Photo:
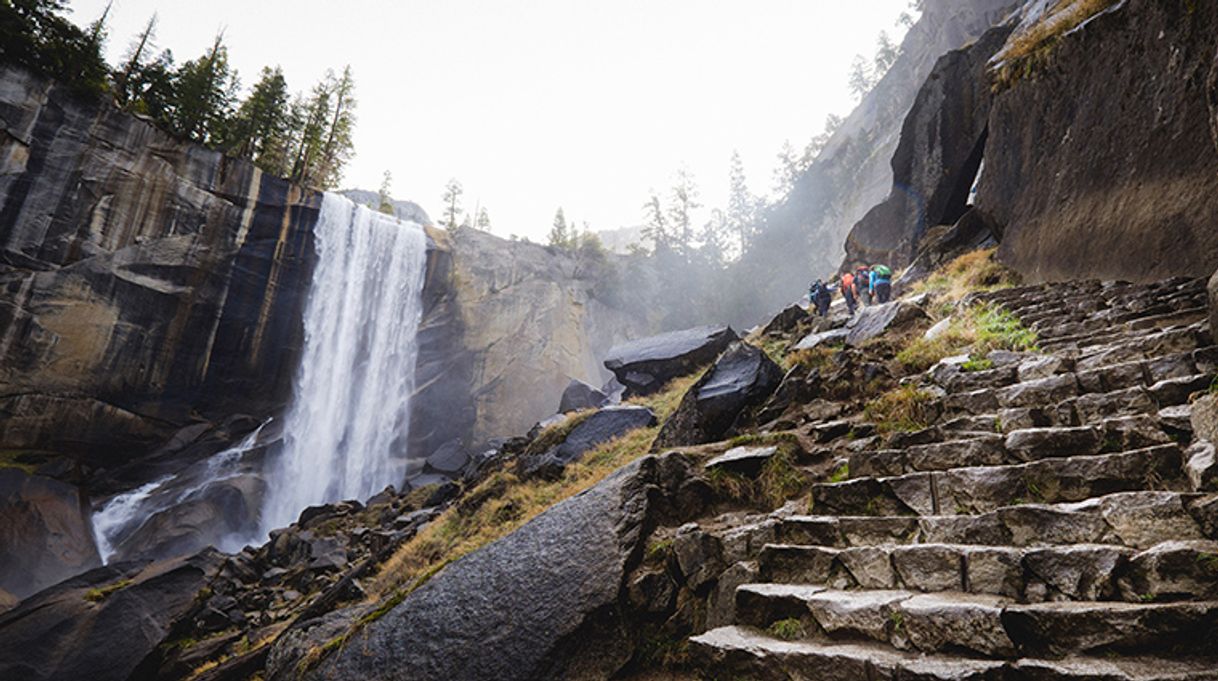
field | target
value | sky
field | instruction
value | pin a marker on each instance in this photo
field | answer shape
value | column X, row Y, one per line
column 536, row 104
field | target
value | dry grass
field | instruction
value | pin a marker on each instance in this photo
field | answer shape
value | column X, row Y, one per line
column 905, row 409
column 1024, row 48
column 505, row 502
column 779, row 481
column 969, row 273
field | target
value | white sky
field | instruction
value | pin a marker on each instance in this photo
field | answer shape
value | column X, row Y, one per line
column 541, row 103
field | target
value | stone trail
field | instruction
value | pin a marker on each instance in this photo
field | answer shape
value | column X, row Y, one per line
column 1043, row 528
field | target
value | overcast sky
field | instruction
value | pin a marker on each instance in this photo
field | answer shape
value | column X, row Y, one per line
column 545, row 103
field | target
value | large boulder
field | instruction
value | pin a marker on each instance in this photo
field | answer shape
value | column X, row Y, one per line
column 542, row 603
column 1136, row 74
column 45, row 535
column 743, row 377
column 875, row 320
column 105, row 625
column 579, row 396
column 937, row 160
column 645, row 365
column 591, row 432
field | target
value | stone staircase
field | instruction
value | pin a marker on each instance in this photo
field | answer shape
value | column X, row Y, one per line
column 1044, row 528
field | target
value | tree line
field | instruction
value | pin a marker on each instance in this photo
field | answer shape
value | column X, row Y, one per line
column 305, row 137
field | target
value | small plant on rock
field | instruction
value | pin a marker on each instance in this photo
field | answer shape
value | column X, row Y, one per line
column 905, row 409
column 789, row 629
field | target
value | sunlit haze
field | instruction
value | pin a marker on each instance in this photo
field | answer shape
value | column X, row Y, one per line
column 547, row 103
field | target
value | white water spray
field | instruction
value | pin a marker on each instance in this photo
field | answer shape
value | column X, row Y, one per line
column 347, row 430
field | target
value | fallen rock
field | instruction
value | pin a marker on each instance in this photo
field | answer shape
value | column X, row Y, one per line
column 449, row 459
column 44, row 531
column 817, row 339
column 745, row 460
column 743, row 377
column 579, row 396
column 106, row 624
column 877, row 319
column 599, row 428
column 786, row 321
column 491, row 596
column 644, row 366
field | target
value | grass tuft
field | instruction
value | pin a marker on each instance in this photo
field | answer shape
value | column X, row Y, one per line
column 969, row 273
column 789, row 629
column 977, row 330
column 904, row 409
column 101, row 593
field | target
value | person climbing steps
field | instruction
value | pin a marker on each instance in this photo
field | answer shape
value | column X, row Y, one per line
column 821, row 296
column 848, row 292
column 881, row 283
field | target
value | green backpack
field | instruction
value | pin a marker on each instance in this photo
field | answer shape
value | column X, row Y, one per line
column 882, row 270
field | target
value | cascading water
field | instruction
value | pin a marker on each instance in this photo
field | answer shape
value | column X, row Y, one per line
column 347, row 429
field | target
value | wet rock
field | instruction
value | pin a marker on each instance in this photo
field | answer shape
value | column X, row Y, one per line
column 819, row 338
column 1078, row 572
column 103, row 624
column 1201, row 465
column 449, row 460
column 491, row 595
column 579, row 396
column 644, row 366
column 742, row 378
column 875, row 320
column 721, row 607
column 944, row 622
column 786, row 321
column 743, row 460
column 1203, row 416
column 699, row 555
column 1039, row 443
column 605, row 425
column 44, row 531
column 1173, row 570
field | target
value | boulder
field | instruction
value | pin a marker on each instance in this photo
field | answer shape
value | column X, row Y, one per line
column 605, row 425
column 786, row 321
column 1204, row 417
column 448, row 460
column 576, row 555
column 746, row 460
column 105, row 625
column 579, row 396
column 819, row 338
column 743, row 377
column 1201, row 465
column 645, row 365
column 877, row 319
column 44, row 531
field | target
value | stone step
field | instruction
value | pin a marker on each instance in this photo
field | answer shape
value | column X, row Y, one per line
column 988, row 626
column 1017, row 445
column 737, row 652
column 1176, row 570
column 1135, row 519
column 973, row 490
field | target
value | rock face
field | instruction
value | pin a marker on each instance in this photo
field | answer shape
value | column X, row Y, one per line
column 577, row 554
column 1125, row 93
column 937, row 159
column 519, row 321
column 45, row 532
column 144, row 279
column 105, row 624
column 646, row 364
column 743, row 377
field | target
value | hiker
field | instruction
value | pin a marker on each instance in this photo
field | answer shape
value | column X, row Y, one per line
column 821, row 295
column 881, row 282
column 848, row 292
column 862, row 284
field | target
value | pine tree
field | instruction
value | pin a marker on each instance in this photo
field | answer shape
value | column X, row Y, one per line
column 682, row 204
column 383, row 196
column 452, row 203
column 560, row 233
column 787, row 170
column 261, row 128
column 655, row 225
column 741, row 204
column 885, row 55
column 714, row 239
column 309, row 115
column 35, row 34
column 484, row 220
column 205, row 90
column 338, row 147
column 134, row 62
column 818, row 143
column 860, row 78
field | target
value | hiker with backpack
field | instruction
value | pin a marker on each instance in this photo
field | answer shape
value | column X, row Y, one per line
column 821, row 295
column 881, row 282
column 862, row 284
column 848, row 292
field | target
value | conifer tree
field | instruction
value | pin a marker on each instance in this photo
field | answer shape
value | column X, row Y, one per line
column 560, row 233
column 452, row 203
column 484, row 220
column 384, row 199
column 787, row 170
column 261, row 128
column 338, row 147
column 682, row 203
column 655, row 225
column 741, row 204
column 205, row 91
column 134, row 62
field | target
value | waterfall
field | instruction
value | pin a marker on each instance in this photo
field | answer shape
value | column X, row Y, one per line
column 347, row 429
